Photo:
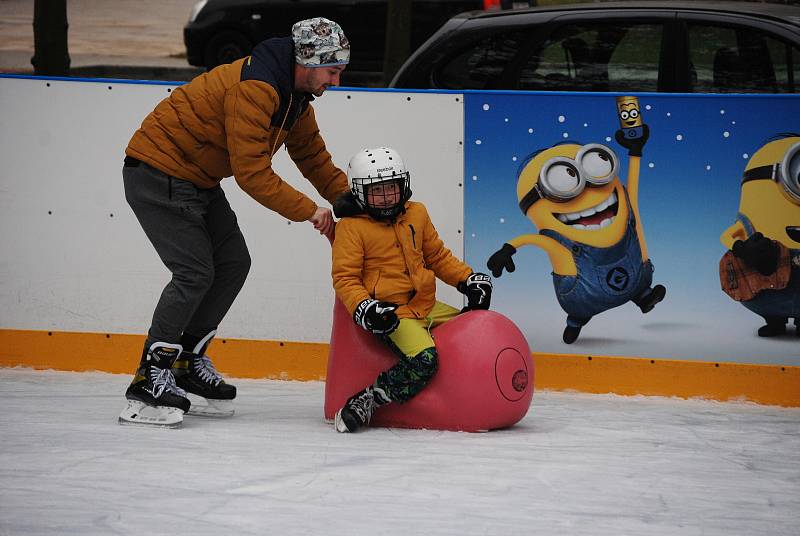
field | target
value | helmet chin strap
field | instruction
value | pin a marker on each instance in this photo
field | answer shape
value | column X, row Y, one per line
column 390, row 213
column 386, row 214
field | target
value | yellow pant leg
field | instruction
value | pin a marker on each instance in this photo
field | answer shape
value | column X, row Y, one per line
column 441, row 313
column 413, row 335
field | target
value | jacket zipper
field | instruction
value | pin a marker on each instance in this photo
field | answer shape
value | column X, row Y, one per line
column 409, row 271
column 278, row 135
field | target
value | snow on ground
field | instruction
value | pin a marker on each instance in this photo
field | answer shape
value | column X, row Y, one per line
column 577, row 464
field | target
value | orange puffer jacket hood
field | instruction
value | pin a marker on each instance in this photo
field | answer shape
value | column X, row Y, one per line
column 395, row 261
column 231, row 121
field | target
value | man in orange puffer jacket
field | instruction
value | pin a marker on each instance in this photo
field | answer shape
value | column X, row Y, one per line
column 230, row 121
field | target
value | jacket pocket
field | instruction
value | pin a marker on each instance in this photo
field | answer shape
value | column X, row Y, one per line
column 371, row 283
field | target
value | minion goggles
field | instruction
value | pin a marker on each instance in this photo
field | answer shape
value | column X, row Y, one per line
column 594, row 165
column 785, row 173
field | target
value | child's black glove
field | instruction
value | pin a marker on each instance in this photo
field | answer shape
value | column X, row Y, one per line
column 502, row 259
column 478, row 290
column 376, row 316
column 759, row 252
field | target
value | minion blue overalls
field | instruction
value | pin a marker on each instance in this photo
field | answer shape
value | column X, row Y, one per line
column 607, row 277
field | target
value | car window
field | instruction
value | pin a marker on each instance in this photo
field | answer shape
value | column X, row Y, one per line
column 596, row 57
column 480, row 64
column 781, row 55
column 796, row 68
column 633, row 65
column 730, row 59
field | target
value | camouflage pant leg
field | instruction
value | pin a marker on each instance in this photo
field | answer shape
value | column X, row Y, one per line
column 409, row 376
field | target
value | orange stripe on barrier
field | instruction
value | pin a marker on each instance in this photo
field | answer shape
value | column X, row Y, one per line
column 239, row 358
column 118, row 353
column 764, row 384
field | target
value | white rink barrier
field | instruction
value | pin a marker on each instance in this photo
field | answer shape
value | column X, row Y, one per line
column 75, row 259
column 79, row 279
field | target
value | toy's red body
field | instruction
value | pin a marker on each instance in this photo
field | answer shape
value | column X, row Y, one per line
column 484, row 381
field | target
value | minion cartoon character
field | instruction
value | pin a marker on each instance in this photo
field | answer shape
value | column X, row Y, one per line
column 589, row 225
column 766, row 234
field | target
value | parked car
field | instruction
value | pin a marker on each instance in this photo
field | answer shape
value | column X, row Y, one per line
column 221, row 31
column 714, row 47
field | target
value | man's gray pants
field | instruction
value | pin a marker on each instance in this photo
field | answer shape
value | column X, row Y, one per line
column 196, row 234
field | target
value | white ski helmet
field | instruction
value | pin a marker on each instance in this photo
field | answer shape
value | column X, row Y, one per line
column 378, row 165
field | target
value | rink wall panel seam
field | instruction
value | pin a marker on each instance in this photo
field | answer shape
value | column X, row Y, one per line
column 302, row 361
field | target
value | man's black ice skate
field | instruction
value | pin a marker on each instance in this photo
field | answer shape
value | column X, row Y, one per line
column 197, row 376
column 357, row 411
column 153, row 397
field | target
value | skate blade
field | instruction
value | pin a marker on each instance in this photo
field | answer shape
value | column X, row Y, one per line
column 207, row 407
column 138, row 413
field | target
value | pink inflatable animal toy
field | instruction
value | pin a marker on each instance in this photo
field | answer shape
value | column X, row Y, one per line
column 484, row 381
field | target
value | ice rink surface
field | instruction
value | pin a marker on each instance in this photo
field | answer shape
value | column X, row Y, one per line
column 577, row 464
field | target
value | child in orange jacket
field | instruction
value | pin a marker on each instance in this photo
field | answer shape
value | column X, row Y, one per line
column 386, row 257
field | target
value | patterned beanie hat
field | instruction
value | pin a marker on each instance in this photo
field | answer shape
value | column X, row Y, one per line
column 320, row 42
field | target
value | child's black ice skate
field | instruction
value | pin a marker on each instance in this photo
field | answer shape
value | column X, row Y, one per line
column 357, row 411
column 197, row 376
column 153, row 397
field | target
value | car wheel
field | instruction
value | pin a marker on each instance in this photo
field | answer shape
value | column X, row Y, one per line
column 226, row 47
